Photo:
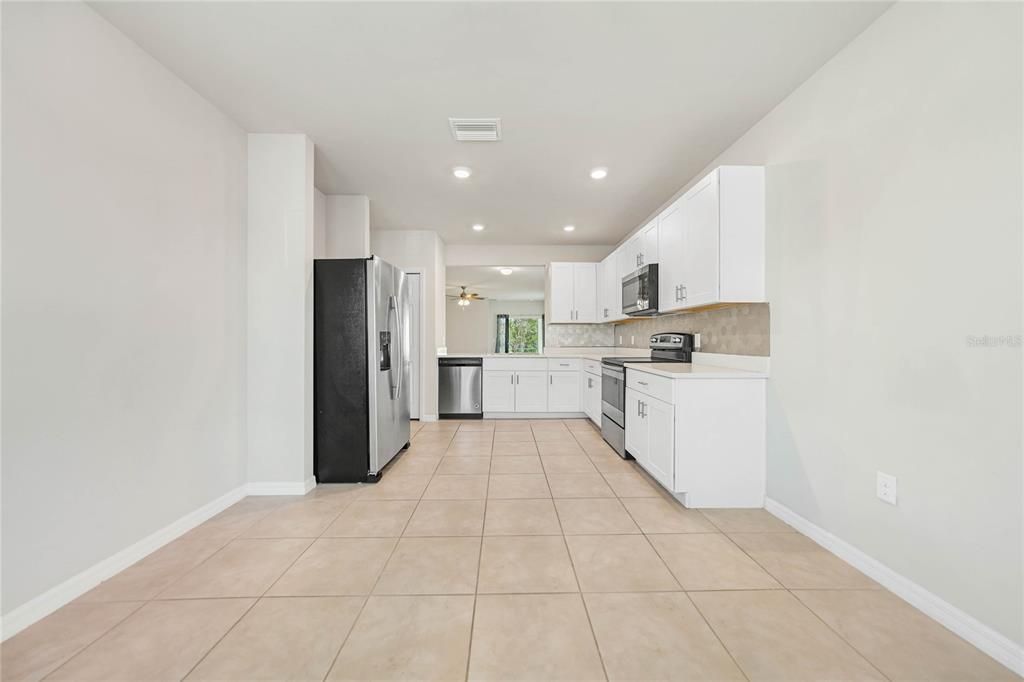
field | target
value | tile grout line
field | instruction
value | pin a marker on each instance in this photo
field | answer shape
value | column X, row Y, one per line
column 366, row 599
column 789, row 591
column 264, row 594
column 479, row 562
column 586, row 611
column 144, row 602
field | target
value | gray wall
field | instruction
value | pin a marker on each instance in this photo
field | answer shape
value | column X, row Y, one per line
column 123, row 297
column 740, row 329
column 894, row 195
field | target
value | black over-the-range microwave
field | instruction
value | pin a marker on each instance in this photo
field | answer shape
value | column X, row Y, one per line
column 640, row 291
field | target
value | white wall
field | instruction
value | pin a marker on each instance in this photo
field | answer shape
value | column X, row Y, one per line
column 281, row 229
column 472, row 328
column 894, row 193
column 319, row 224
column 347, row 226
column 420, row 250
column 123, row 297
column 492, row 254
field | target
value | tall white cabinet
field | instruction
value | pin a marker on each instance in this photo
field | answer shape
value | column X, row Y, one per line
column 572, row 292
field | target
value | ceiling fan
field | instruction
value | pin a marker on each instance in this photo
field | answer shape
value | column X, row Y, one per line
column 465, row 297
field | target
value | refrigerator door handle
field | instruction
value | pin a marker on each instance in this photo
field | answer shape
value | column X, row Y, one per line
column 396, row 387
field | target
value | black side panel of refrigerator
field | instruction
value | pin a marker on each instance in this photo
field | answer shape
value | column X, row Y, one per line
column 341, row 415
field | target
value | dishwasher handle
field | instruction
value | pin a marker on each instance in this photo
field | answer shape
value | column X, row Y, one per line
column 460, row 362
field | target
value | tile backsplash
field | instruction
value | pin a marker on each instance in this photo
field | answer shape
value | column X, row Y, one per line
column 739, row 329
column 578, row 335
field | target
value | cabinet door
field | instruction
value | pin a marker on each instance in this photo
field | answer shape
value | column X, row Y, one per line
column 499, row 391
column 531, row 391
column 560, row 292
column 629, row 257
column 671, row 233
column 604, row 310
column 660, row 421
column 649, row 243
column 611, row 288
column 700, row 243
column 584, row 287
column 636, row 427
column 563, row 391
column 590, row 387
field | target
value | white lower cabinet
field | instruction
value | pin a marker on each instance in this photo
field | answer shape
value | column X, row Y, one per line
column 660, row 422
column 706, row 443
column 499, row 391
column 636, row 430
column 650, row 435
column 531, row 391
column 564, row 391
column 590, row 390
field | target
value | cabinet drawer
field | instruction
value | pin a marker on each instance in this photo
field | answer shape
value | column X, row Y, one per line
column 592, row 367
column 516, row 364
column 649, row 384
column 563, row 364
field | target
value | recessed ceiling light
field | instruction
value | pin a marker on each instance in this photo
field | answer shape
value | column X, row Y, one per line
column 462, row 172
column 569, row 228
column 478, row 228
column 599, row 173
column 506, row 271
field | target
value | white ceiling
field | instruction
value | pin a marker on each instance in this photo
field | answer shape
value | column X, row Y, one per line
column 654, row 91
column 524, row 284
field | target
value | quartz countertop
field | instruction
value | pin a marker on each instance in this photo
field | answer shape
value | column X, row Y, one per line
column 592, row 353
column 686, row 370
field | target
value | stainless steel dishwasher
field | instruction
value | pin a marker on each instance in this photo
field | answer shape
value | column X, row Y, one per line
column 460, row 388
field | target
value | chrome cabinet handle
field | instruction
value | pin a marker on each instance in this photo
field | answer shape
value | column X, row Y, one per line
column 683, row 289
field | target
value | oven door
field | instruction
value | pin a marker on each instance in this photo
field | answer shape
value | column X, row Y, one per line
column 640, row 291
column 613, row 394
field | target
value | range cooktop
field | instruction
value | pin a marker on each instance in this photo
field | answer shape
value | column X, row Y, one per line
column 621, row 361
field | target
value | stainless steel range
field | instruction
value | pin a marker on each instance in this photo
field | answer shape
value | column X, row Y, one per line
column 670, row 347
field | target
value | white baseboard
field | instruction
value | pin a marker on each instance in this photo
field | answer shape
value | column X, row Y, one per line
column 996, row 645
column 75, row 586
column 428, row 417
column 280, row 487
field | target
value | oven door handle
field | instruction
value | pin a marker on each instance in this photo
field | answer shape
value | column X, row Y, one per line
column 614, row 374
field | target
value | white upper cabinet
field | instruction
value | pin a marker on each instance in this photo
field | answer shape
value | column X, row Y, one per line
column 640, row 250
column 711, row 241
column 649, row 243
column 609, row 295
column 572, row 292
column 584, row 291
column 560, row 286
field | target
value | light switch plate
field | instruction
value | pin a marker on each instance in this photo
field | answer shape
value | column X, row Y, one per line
column 887, row 488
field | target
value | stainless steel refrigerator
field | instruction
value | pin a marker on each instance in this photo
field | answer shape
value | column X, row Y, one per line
column 361, row 364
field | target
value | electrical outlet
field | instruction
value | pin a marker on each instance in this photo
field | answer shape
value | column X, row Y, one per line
column 632, row 340
column 887, row 488
column 696, row 341
column 620, row 339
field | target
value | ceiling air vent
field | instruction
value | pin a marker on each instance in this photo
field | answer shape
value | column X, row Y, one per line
column 476, row 129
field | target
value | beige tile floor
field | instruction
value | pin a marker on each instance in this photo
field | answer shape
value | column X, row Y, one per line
column 492, row 550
